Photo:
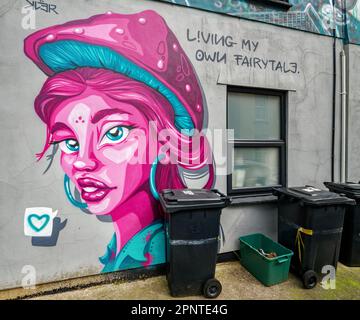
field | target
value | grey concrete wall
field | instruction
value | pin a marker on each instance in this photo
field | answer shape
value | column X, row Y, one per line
column 23, row 185
column 353, row 113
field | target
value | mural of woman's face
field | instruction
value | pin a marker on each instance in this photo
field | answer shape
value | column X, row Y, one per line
column 98, row 136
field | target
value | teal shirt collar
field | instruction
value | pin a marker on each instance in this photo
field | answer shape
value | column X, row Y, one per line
column 148, row 243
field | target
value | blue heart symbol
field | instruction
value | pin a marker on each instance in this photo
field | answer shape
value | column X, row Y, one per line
column 33, row 216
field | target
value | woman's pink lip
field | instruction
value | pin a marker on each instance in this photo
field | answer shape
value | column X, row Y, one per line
column 93, row 190
column 95, row 196
column 90, row 182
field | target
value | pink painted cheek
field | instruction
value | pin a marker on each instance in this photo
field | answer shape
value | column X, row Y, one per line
column 121, row 153
column 134, row 175
column 129, row 180
column 67, row 162
column 128, row 157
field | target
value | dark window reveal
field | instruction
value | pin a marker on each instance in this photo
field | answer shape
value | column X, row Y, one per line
column 258, row 156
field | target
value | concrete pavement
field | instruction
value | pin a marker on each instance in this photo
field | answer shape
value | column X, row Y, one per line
column 237, row 284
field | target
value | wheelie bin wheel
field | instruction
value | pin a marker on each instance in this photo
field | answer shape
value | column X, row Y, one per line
column 309, row 279
column 212, row 288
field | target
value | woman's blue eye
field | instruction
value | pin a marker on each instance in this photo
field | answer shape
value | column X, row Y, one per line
column 115, row 133
column 72, row 145
column 69, row 146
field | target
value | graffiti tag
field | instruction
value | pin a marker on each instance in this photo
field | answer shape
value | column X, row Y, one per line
column 43, row 6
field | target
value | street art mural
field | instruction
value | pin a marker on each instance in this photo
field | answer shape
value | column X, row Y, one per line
column 123, row 105
column 327, row 17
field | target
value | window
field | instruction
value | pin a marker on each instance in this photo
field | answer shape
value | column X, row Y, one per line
column 258, row 118
column 275, row 3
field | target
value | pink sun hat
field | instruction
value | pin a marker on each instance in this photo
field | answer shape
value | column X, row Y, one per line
column 140, row 46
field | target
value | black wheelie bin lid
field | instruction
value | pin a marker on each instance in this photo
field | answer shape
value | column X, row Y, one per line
column 349, row 189
column 313, row 196
column 173, row 200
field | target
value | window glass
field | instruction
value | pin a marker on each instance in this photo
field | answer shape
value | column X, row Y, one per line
column 255, row 167
column 254, row 117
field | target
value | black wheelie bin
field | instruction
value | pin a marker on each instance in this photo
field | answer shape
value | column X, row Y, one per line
column 350, row 241
column 192, row 223
column 310, row 223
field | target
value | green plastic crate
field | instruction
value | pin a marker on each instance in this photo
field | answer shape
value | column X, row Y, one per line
column 268, row 271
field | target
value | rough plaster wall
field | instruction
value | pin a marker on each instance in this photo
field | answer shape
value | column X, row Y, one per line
column 84, row 239
column 354, row 114
column 242, row 220
column 309, row 106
